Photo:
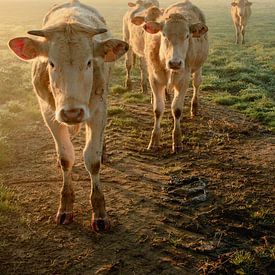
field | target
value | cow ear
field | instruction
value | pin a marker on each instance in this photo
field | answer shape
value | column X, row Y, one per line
column 110, row 50
column 198, row 29
column 131, row 4
column 234, row 4
column 153, row 27
column 26, row 48
column 138, row 20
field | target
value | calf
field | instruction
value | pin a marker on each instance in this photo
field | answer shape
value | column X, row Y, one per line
column 240, row 12
column 134, row 35
column 70, row 75
column 175, row 48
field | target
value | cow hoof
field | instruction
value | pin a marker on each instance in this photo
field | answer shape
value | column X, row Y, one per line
column 100, row 225
column 64, row 218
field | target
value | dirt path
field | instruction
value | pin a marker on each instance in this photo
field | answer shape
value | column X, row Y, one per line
column 156, row 227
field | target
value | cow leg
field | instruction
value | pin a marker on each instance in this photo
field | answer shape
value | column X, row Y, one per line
column 177, row 108
column 66, row 157
column 92, row 159
column 197, row 79
column 243, row 33
column 143, row 75
column 158, row 108
column 129, row 65
column 238, row 33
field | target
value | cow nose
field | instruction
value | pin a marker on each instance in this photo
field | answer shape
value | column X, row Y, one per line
column 72, row 115
column 175, row 64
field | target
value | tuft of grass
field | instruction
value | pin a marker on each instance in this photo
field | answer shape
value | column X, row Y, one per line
column 123, row 122
column 133, row 97
column 114, row 111
column 243, row 261
column 118, row 90
column 4, row 149
column 5, row 200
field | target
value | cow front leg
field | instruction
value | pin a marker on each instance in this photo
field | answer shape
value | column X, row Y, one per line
column 92, row 158
column 158, row 109
column 197, row 79
column 143, row 75
column 66, row 158
column 177, row 108
column 129, row 64
column 237, row 33
column 243, row 33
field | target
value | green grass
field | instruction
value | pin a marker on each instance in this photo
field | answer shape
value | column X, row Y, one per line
column 115, row 111
column 134, row 97
column 4, row 149
column 243, row 76
column 251, row 262
column 5, row 201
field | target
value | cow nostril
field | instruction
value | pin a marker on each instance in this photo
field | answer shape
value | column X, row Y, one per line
column 72, row 115
column 174, row 64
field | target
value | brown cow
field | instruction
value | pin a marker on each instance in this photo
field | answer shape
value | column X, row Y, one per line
column 134, row 35
column 240, row 13
column 175, row 49
column 70, row 77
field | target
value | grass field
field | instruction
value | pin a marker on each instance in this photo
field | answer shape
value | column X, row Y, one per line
column 240, row 78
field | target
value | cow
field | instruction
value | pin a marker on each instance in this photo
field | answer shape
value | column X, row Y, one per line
column 175, row 48
column 240, row 13
column 70, row 74
column 134, row 36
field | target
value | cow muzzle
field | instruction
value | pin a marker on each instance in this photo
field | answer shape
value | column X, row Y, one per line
column 72, row 116
column 175, row 64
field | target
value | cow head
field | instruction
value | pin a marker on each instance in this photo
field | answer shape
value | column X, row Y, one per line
column 70, row 51
column 176, row 32
column 140, row 6
column 153, row 13
column 241, row 5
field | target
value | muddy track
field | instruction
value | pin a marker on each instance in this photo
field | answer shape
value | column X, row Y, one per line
column 154, row 229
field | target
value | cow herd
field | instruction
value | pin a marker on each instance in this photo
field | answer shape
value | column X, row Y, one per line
column 72, row 58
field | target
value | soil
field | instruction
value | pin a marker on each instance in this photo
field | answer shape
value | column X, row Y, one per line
column 160, row 222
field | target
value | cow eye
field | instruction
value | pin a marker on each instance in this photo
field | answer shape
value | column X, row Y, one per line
column 51, row 64
column 89, row 64
column 187, row 36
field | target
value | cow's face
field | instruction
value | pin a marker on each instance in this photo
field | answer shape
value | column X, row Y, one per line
column 176, row 32
column 70, row 67
column 241, row 5
column 71, row 55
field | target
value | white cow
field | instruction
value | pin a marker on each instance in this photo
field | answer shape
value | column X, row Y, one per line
column 240, row 13
column 70, row 77
column 134, row 35
column 175, row 48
